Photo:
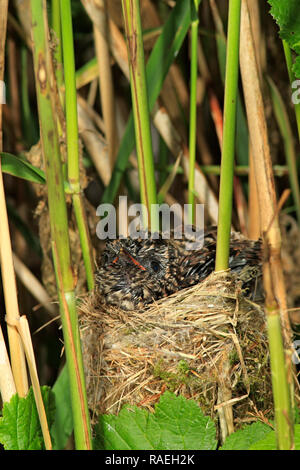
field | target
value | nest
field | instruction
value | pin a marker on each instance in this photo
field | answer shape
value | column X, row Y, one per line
column 208, row 343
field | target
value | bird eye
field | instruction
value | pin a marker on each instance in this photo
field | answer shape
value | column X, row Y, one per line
column 155, row 266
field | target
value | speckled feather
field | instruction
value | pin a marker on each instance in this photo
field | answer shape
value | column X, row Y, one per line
column 134, row 272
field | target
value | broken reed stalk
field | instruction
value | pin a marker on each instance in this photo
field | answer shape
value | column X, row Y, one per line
column 254, row 231
column 7, row 269
column 193, row 111
column 73, row 139
column 134, row 37
column 288, row 141
column 275, row 303
column 45, row 89
column 228, row 144
column 178, row 20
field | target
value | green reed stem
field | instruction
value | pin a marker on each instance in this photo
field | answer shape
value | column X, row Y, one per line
column 44, row 78
column 133, row 30
column 228, row 146
column 241, row 170
column 193, row 110
column 73, row 138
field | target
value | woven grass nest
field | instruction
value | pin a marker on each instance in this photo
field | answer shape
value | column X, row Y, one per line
column 207, row 343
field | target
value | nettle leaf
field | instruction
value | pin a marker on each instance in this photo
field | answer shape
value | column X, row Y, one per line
column 287, row 15
column 244, row 438
column 176, row 424
column 269, row 441
column 21, row 168
column 19, row 425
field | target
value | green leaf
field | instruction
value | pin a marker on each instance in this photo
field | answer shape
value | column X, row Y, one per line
column 269, row 441
column 18, row 166
column 287, row 15
column 63, row 424
column 19, row 426
column 176, row 424
column 244, row 438
column 165, row 50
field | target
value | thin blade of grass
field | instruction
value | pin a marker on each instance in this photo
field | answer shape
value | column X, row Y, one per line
column 193, row 111
column 275, row 296
column 288, row 141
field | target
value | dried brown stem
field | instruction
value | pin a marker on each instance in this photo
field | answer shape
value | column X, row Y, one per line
column 279, row 329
